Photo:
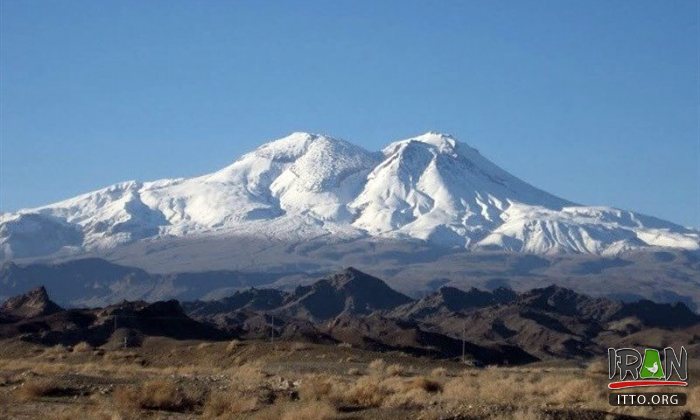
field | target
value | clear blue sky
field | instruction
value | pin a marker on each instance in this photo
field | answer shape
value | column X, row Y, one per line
column 596, row 101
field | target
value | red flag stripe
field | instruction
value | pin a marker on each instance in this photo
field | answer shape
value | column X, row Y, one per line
column 633, row 384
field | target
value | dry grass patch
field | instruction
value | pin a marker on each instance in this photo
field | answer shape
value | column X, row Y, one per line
column 299, row 346
column 577, row 391
column 366, row 392
column 439, row 372
column 318, row 387
column 246, row 377
column 233, row 345
column 85, row 413
column 377, row 366
column 427, row 385
column 223, row 404
column 528, row 388
column 304, row 410
column 693, row 403
column 155, row 395
column 58, row 348
column 82, row 347
column 248, row 393
column 370, row 391
column 409, row 398
column 414, row 393
column 396, row 370
column 122, row 356
column 37, row 388
column 520, row 414
column 597, row 367
column 311, row 410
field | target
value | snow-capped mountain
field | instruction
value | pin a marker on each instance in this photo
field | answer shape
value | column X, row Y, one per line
column 308, row 186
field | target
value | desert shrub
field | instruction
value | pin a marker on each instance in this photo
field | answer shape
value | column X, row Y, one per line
column 439, row 372
column 126, row 399
column 366, row 392
column 163, row 395
column 470, row 388
column 223, row 404
column 395, row 370
column 390, row 392
column 407, row 398
column 82, row 347
column 233, row 345
column 304, row 410
column 377, row 366
column 37, row 388
column 309, row 410
column 204, row 345
column 246, row 377
column 316, row 388
column 527, row 387
column 577, row 390
column 57, row 349
column 427, row 385
column 354, row 372
column 597, row 367
column 155, row 395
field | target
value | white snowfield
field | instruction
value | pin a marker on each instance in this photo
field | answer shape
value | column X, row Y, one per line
column 307, row 186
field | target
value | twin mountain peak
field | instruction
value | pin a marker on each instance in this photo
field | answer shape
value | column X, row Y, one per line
column 430, row 188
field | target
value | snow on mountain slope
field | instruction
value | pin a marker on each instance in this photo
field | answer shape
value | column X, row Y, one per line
column 304, row 186
column 432, row 187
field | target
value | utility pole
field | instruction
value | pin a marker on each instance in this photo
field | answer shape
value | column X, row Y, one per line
column 464, row 334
